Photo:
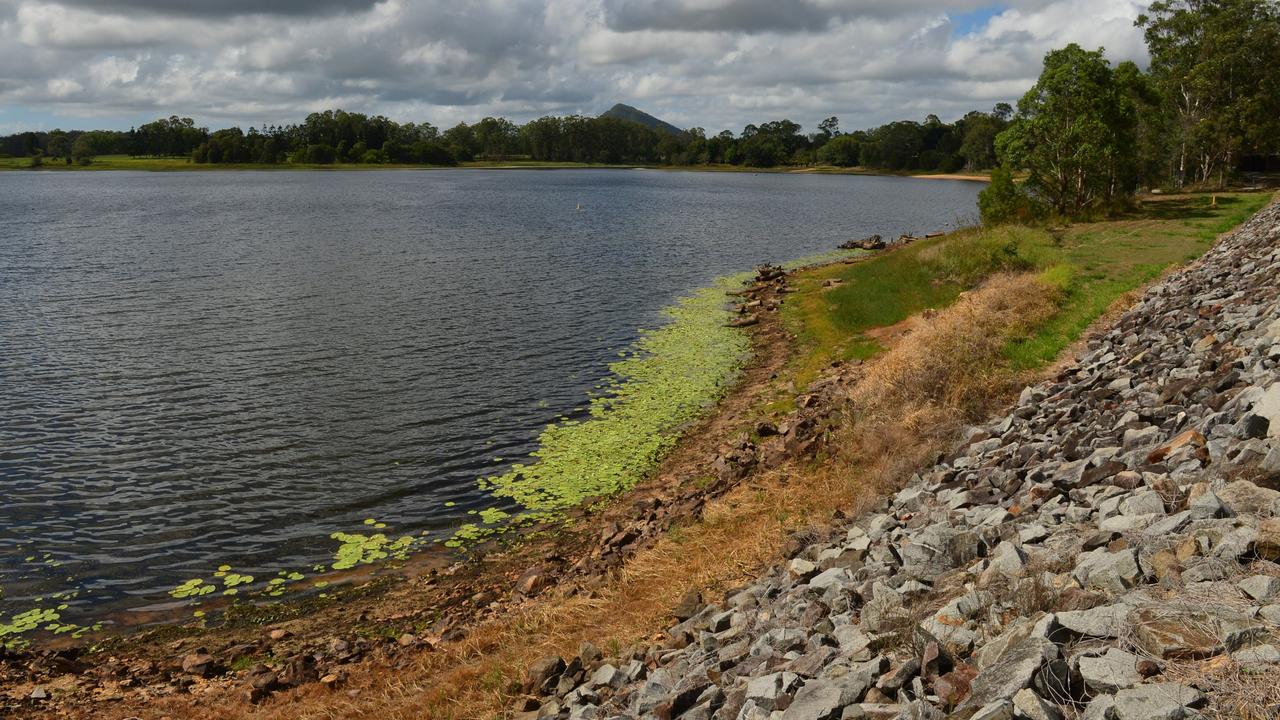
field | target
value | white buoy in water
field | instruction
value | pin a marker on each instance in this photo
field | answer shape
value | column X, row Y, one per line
column 579, row 207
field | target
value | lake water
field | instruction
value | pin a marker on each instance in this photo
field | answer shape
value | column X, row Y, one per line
column 226, row 367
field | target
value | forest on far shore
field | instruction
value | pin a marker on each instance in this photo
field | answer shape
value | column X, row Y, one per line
column 338, row 136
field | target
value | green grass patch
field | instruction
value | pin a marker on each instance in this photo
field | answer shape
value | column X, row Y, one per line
column 1093, row 264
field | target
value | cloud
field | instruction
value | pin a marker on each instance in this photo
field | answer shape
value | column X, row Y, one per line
column 224, row 8
column 711, row 63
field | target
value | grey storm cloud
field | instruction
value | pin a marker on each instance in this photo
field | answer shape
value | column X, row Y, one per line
column 709, row 63
column 224, row 8
column 759, row 16
column 749, row 16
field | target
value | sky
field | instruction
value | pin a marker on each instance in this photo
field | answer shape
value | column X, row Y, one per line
column 715, row 64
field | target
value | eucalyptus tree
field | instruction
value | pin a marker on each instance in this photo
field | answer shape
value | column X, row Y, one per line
column 1215, row 63
column 1074, row 133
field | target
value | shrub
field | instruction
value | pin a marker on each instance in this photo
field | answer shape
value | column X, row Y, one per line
column 1003, row 201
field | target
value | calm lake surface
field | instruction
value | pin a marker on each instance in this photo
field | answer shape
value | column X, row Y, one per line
column 226, row 367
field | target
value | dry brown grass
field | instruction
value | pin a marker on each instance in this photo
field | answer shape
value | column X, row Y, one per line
column 910, row 406
column 954, row 362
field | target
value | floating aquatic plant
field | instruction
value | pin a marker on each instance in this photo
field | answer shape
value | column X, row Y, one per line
column 356, row 549
column 665, row 380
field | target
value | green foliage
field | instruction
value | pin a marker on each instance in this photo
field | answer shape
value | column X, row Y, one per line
column 841, row 151
column 1003, row 201
column 1074, row 133
column 355, row 549
column 1217, row 84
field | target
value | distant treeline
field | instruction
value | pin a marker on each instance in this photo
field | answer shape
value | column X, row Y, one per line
column 337, row 136
column 1086, row 136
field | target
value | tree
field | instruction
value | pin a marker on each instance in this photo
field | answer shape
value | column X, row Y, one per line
column 58, row 145
column 762, row 150
column 1074, row 132
column 1003, row 201
column 82, row 150
column 978, row 148
column 1214, row 62
column 841, row 151
column 830, row 127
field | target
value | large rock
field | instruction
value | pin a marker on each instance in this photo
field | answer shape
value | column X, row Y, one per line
column 1028, row 705
column 771, row 691
column 1011, row 672
column 1107, row 621
column 1116, row 670
column 1159, row 701
column 1263, row 588
column 817, row 700
column 1111, row 571
column 1187, row 633
column 1267, row 544
column 1268, row 406
column 541, row 675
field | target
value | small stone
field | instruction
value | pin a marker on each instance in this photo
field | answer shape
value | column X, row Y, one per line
column 279, row 634
column 200, row 664
column 38, row 693
column 689, row 605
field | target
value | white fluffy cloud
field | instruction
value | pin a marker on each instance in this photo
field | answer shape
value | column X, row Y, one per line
column 713, row 63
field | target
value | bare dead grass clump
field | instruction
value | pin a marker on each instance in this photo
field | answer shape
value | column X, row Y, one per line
column 954, row 362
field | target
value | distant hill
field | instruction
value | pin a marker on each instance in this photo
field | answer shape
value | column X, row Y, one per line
column 626, row 112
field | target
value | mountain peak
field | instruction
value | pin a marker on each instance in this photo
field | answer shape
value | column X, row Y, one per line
column 626, row 112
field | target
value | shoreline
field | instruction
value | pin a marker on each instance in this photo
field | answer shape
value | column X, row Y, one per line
column 766, row 483
column 127, row 164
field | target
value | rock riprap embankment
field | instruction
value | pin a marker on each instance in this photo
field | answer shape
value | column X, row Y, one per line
column 1108, row 550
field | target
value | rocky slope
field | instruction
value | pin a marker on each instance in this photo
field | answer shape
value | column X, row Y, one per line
column 1108, row 550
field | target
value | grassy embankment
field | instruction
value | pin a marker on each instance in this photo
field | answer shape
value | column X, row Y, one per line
column 1090, row 265
column 1004, row 301
column 162, row 164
